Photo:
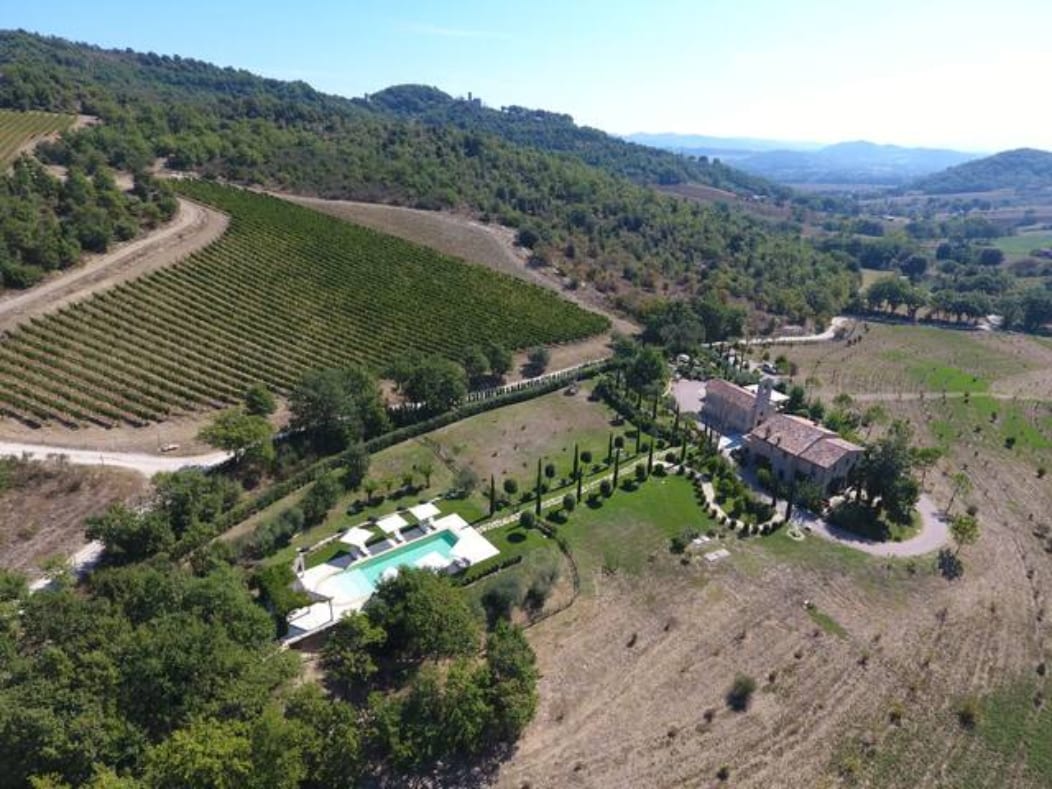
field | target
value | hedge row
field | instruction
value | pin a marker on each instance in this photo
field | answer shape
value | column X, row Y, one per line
column 484, row 569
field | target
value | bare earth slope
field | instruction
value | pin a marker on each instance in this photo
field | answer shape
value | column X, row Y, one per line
column 44, row 514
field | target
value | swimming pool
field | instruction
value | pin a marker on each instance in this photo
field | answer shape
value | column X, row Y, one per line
column 360, row 580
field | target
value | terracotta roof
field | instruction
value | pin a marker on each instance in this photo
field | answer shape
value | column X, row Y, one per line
column 826, row 452
column 732, row 393
column 804, row 439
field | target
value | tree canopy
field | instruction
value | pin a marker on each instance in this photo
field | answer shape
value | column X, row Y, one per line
column 337, row 407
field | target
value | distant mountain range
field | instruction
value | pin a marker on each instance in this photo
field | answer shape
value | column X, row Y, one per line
column 1023, row 169
column 810, row 163
column 700, row 144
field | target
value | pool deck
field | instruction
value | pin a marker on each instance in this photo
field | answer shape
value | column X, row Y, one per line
column 469, row 548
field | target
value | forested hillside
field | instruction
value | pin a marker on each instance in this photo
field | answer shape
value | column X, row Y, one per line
column 590, row 219
column 46, row 223
column 1024, row 169
column 550, row 131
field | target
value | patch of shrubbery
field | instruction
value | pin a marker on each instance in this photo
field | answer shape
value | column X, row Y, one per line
column 740, row 693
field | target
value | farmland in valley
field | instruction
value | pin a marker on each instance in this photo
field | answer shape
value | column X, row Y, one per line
column 286, row 289
column 19, row 128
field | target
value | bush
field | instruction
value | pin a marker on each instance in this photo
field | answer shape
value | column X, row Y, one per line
column 670, row 457
column 606, row 488
column 619, row 442
column 320, row 499
column 511, row 487
column 679, row 543
column 527, row 519
column 968, row 713
column 740, row 693
column 859, row 519
column 502, row 597
column 586, row 456
column 641, row 472
column 569, row 502
column 661, row 471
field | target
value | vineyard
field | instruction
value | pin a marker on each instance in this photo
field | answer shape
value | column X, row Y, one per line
column 284, row 290
column 18, row 128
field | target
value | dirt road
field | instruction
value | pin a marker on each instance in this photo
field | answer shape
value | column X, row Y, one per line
column 194, row 227
column 135, row 461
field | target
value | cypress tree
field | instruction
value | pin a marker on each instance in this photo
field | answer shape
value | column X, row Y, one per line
column 650, row 457
column 576, row 461
column 610, row 449
column 539, row 494
column 617, row 466
column 492, row 495
column 683, row 451
column 639, row 438
column 675, row 425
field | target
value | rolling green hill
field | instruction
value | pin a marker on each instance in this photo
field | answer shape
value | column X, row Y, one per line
column 573, row 194
column 556, row 132
column 1024, row 169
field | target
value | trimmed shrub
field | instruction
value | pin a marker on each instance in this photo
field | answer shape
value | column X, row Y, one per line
column 527, row 519
column 606, row 488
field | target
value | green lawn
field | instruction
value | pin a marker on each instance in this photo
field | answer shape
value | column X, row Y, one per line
column 621, row 534
column 812, row 550
column 1012, row 725
column 1021, row 244
column 826, row 622
column 937, row 377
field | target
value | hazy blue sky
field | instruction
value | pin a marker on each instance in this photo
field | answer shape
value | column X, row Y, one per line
column 964, row 73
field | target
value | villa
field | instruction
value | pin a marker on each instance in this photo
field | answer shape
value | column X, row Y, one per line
column 795, row 447
column 345, row 583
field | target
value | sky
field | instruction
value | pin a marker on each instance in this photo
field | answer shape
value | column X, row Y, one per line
column 962, row 74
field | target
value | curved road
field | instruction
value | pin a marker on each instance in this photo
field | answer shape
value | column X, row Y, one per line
column 934, row 533
column 136, row 461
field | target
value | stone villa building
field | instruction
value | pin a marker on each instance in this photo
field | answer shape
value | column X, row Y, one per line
column 794, row 446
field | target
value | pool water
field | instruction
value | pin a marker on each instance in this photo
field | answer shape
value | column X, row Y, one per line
column 360, row 579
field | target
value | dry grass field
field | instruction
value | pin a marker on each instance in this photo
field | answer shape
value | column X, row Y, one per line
column 507, row 442
column 895, row 359
column 44, row 505
column 869, row 688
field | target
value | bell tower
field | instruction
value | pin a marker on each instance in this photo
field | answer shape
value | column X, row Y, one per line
column 761, row 407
